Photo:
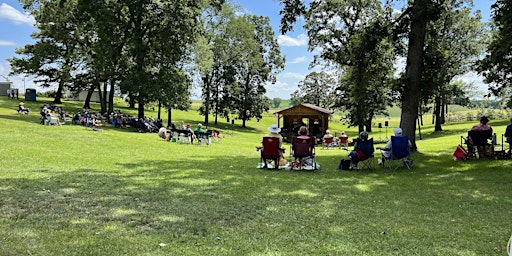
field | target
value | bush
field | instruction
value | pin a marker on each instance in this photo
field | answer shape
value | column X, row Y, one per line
column 47, row 94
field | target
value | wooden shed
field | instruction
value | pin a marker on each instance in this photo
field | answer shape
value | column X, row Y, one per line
column 313, row 117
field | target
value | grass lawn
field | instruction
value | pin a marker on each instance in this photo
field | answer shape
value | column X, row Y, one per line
column 71, row 191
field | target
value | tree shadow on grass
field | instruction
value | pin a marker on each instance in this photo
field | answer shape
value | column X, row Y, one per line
column 194, row 203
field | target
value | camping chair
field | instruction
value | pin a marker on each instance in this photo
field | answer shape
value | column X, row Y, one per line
column 203, row 137
column 478, row 143
column 343, row 141
column 365, row 156
column 327, row 142
column 303, row 152
column 183, row 136
column 270, row 150
column 216, row 136
column 399, row 153
column 53, row 121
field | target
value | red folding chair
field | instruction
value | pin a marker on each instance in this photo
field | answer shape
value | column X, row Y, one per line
column 270, row 150
column 303, row 151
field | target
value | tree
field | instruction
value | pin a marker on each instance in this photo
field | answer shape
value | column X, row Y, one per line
column 240, row 54
column 453, row 43
column 355, row 37
column 258, row 57
column 213, row 58
column 496, row 66
column 317, row 88
column 136, row 45
column 276, row 102
column 54, row 56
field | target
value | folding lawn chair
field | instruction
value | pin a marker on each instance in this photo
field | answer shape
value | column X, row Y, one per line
column 183, row 136
column 270, row 151
column 303, row 152
column 365, row 156
column 216, row 136
column 327, row 142
column 478, row 143
column 400, row 155
column 203, row 137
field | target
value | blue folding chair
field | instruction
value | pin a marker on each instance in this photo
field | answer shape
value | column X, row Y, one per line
column 400, row 155
column 365, row 150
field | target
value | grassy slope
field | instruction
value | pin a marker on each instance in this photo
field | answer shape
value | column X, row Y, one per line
column 71, row 191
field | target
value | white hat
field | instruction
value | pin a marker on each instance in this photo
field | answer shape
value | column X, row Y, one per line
column 199, row 125
column 274, row 129
column 398, row 131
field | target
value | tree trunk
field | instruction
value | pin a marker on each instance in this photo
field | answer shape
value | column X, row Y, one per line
column 169, row 117
column 159, row 109
column 111, row 96
column 437, row 109
column 58, row 94
column 131, row 100
column 104, row 98
column 140, row 113
column 443, row 103
column 410, row 99
column 100, row 94
column 206, row 83
column 87, row 103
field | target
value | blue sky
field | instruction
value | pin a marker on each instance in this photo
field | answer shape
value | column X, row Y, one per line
column 16, row 27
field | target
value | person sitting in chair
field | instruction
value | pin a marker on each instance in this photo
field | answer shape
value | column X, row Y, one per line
column 199, row 128
column 343, row 139
column 274, row 133
column 303, row 133
column 482, row 126
column 327, row 135
column 386, row 150
column 23, row 109
column 356, row 155
column 483, row 151
column 508, row 134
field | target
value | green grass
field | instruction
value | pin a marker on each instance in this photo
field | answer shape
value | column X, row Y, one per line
column 72, row 191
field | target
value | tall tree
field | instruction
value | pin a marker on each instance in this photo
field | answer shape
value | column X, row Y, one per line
column 54, row 56
column 417, row 13
column 317, row 88
column 212, row 57
column 259, row 57
column 453, row 44
column 356, row 38
column 496, row 67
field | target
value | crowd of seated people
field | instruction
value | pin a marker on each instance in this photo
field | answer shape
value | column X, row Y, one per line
column 95, row 120
column 48, row 115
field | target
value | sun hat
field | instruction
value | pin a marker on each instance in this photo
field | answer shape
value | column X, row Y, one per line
column 484, row 119
column 21, row 103
column 398, row 131
column 274, row 129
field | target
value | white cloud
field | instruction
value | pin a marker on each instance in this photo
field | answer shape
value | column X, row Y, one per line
column 301, row 40
column 298, row 60
column 7, row 43
column 8, row 12
column 291, row 75
column 474, row 78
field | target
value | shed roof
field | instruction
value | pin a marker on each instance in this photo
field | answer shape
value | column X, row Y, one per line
column 307, row 106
